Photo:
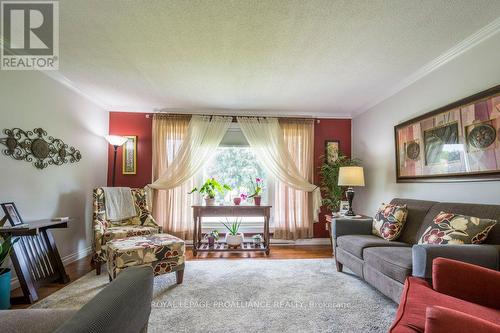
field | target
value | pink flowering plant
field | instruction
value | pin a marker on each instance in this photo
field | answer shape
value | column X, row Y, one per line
column 244, row 196
column 258, row 186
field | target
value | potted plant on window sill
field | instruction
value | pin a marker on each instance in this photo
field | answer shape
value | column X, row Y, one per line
column 5, row 274
column 210, row 189
column 258, row 186
column 233, row 237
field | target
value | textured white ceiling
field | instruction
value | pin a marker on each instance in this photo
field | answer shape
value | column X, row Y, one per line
column 296, row 57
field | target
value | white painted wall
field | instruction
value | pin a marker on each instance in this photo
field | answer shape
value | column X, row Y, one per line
column 373, row 131
column 28, row 100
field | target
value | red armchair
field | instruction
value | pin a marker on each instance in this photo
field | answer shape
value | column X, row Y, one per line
column 462, row 298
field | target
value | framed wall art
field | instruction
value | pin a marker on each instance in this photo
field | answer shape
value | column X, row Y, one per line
column 129, row 153
column 332, row 150
column 458, row 142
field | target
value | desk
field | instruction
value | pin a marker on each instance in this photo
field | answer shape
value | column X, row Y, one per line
column 35, row 257
column 229, row 211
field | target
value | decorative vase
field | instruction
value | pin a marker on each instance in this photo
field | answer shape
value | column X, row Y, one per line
column 237, row 201
column 210, row 201
column 256, row 200
column 234, row 240
column 5, row 276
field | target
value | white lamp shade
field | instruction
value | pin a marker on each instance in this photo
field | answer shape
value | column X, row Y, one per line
column 116, row 140
column 351, row 176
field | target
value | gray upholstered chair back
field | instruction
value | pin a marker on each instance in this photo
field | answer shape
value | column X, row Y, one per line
column 123, row 306
column 417, row 210
column 476, row 210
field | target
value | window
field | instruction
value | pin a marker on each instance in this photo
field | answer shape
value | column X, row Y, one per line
column 235, row 164
column 236, row 167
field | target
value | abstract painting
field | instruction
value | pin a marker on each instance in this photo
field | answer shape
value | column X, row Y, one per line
column 458, row 142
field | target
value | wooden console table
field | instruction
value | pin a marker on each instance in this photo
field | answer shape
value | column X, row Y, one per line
column 229, row 211
column 35, row 257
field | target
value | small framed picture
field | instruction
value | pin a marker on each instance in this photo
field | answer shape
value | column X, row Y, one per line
column 10, row 210
column 344, row 207
column 130, row 156
column 331, row 151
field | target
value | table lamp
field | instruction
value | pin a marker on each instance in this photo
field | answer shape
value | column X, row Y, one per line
column 351, row 176
column 116, row 141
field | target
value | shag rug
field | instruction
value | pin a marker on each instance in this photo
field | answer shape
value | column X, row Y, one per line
column 306, row 295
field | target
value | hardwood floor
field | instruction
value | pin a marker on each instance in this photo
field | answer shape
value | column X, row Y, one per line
column 81, row 267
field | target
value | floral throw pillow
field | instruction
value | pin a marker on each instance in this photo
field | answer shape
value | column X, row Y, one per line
column 389, row 221
column 449, row 228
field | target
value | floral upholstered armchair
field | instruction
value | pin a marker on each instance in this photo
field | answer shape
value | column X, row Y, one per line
column 105, row 230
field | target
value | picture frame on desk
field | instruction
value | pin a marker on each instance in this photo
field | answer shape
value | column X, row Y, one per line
column 12, row 214
column 343, row 207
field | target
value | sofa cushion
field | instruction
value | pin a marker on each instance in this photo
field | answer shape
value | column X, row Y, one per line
column 33, row 320
column 417, row 210
column 389, row 221
column 450, row 228
column 394, row 262
column 128, row 231
column 481, row 211
column 418, row 295
column 355, row 244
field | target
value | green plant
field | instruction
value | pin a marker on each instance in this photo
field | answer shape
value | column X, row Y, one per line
column 258, row 186
column 233, row 227
column 329, row 172
column 5, row 249
column 214, row 234
column 210, row 187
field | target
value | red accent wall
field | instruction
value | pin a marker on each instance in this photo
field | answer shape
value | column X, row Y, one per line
column 130, row 123
column 328, row 129
column 125, row 123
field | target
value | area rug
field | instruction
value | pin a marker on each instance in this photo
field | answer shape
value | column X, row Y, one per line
column 306, row 295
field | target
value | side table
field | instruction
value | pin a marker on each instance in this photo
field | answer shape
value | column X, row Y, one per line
column 35, row 257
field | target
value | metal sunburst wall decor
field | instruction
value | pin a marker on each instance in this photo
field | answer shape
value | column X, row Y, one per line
column 35, row 146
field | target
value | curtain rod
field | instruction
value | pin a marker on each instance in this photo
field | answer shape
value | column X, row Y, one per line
column 233, row 116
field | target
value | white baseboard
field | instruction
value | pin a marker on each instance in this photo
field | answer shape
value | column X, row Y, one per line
column 66, row 260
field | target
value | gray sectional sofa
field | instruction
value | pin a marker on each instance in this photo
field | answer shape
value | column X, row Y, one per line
column 386, row 264
column 122, row 306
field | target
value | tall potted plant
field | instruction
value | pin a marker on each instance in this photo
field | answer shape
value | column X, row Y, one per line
column 329, row 172
column 210, row 189
column 5, row 274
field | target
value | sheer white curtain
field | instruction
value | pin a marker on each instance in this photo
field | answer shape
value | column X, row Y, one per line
column 265, row 136
column 293, row 213
column 180, row 148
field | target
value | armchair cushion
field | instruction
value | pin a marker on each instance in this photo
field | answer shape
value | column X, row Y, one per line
column 439, row 319
column 112, row 233
column 468, row 282
column 355, row 244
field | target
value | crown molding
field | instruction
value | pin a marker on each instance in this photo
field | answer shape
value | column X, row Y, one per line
column 57, row 76
column 462, row 47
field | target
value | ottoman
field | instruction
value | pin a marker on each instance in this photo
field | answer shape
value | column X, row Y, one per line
column 163, row 252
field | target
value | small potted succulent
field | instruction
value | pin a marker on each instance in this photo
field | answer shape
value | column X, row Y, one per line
column 233, row 237
column 5, row 274
column 258, row 186
column 257, row 240
column 212, row 237
column 210, row 189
